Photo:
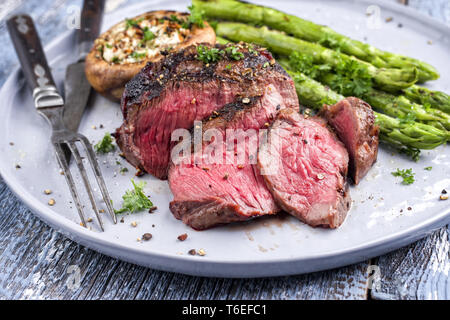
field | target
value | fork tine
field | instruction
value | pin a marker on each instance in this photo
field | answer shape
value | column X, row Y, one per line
column 98, row 175
column 73, row 148
column 67, row 174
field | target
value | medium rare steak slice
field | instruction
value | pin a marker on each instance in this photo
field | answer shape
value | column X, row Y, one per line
column 181, row 88
column 354, row 122
column 310, row 180
column 224, row 187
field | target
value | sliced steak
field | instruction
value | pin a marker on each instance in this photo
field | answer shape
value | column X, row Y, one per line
column 304, row 166
column 179, row 89
column 225, row 187
column 354, row 122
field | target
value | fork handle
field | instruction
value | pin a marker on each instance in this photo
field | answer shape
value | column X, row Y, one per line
column 33, row 62
column 91, row 21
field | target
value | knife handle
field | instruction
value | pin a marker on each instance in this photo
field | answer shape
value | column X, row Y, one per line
column 91, row 21
column 33, row 62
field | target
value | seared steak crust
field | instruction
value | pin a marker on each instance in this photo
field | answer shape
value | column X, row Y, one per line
column 354, row 122
column 309, row 181
column 179, row 89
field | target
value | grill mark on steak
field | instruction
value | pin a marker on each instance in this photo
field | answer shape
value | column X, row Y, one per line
column 179, row 89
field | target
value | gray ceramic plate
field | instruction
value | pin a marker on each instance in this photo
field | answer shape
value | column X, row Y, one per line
column 378, row 222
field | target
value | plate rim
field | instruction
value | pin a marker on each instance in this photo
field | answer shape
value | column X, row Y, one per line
column 203, row 267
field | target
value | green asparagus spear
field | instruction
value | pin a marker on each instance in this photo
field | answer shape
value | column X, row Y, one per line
column 221, row 40
column 347, row 83
column 393, row 131
column 435, row 99
column 234, row 10
column 277, row 42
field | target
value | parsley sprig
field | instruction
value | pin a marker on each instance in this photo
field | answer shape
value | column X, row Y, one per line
column 105, row 145
column 305, row 64
column 148, row 35
column 351, row 79
column 406, row 174
column 234, row 53
column 135, row 200
column 195, row 18
column 211, row 55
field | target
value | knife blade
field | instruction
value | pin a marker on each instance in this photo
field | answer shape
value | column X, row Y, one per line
column 76, row 87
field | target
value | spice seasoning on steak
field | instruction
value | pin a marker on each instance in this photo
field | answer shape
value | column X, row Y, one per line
column 310, row 182
column 153, row 108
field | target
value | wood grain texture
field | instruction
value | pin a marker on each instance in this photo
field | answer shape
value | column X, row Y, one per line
column 39, row 263
column 438, row 9
column 419, row 271
column 36, row 263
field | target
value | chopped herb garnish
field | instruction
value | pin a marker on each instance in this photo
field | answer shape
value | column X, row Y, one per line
column 228, row 66
column 135, row 200
column 351, row 79
column 265, row 65
column 108, row 45
column 305, row 64
column 209, row 55
column 234, row 53
column 196, row 18
column 329, row 42
column 138, row 56
column 406, row 174
column 129, row 23
column 428, row 168
column 252, row 50
column 105, row 145
column 123, row 170
column 115, row 60
column 174, row 18
column 148, row 35
column 413, row 153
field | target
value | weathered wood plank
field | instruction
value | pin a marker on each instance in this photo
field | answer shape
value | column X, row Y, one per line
column 438, row 9
column 419, row 271
column 35, row 262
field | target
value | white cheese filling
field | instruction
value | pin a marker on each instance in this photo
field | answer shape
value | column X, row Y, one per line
column 135, row 40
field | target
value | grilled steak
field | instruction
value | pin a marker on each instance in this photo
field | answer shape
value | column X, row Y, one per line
column 354, row 122
column 226, row 185
column 310, row 180
column 179, row 89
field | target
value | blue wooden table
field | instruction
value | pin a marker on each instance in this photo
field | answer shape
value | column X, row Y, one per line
column 38, row 263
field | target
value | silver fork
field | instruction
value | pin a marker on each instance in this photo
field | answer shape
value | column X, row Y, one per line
column 50, row 105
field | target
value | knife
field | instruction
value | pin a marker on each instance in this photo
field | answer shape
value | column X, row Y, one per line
column 76, row 86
